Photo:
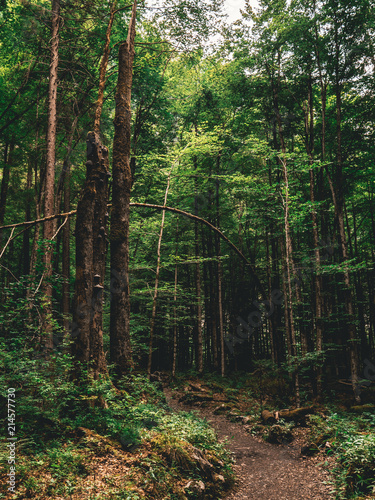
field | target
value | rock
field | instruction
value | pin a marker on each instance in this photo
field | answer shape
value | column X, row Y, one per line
column 279, row 435
column 223, row 408
column 241, row 418
column 232, row 416
column 218, row 478
column 196, row 487
column 258, row 428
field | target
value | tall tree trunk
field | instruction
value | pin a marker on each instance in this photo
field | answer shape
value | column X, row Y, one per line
column 103, row 68
column 66, row 254
column 288, row 257
column 154, row 301
column 309, row 120
column 90, row 261
column 175, row 313
column 288, row 237
column 360, row 290
column 273, row 282
column 26, row 235
column 91, row 237
column 269, row 279
column 212, row 296
column 99, row 243
column 8, row 151
column 220, row 276
column 120, row 346
column 49, row 187
column 354, row 368
column 220, row 304
column 198, row 285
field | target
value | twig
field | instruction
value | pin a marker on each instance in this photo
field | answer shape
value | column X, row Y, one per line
column 39, row 285
column 10, row 272
column 62, row 225
column 7, row 243
column 53, row 237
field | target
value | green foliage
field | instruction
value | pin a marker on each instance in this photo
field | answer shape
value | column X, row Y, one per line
column 352, row 442
column 129, row 437
column 358, row 459
column 211, row 115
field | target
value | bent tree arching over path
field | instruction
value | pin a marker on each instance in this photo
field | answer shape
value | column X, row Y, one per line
column 157, row 207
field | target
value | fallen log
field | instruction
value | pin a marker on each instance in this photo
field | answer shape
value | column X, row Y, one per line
column 296, row 414
column 362, row 408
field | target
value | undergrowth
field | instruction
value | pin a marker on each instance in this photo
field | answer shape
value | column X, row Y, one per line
column 348, row 437
column 88, row 439
column 351, row 439
column 74, row 447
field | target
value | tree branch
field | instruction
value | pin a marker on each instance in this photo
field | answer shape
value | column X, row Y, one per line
column 168, row 209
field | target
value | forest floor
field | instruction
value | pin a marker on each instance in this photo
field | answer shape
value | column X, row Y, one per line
column 203, row 437
column 264, row 471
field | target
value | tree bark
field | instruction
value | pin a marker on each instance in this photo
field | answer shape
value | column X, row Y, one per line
column 198, row 285
column 26, row 235
column 269, row 279
column 8, row 151
column 103, row 68
column 90, row 261
column 66, row 255
column 353, row 348
column 120, row 346
column 174, row 359
column 288, row 238
column 309, row 120
column 91, row 237
column 220, row 279
column 49, row 187
column 221, row 318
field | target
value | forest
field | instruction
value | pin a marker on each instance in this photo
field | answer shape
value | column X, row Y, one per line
column 187, row 249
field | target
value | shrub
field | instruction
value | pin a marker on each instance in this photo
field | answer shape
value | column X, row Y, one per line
column 358, row 459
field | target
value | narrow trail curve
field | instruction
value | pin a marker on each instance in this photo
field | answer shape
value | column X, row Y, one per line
column 264, row 471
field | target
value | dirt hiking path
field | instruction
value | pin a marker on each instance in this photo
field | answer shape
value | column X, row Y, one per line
column 264, row 471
